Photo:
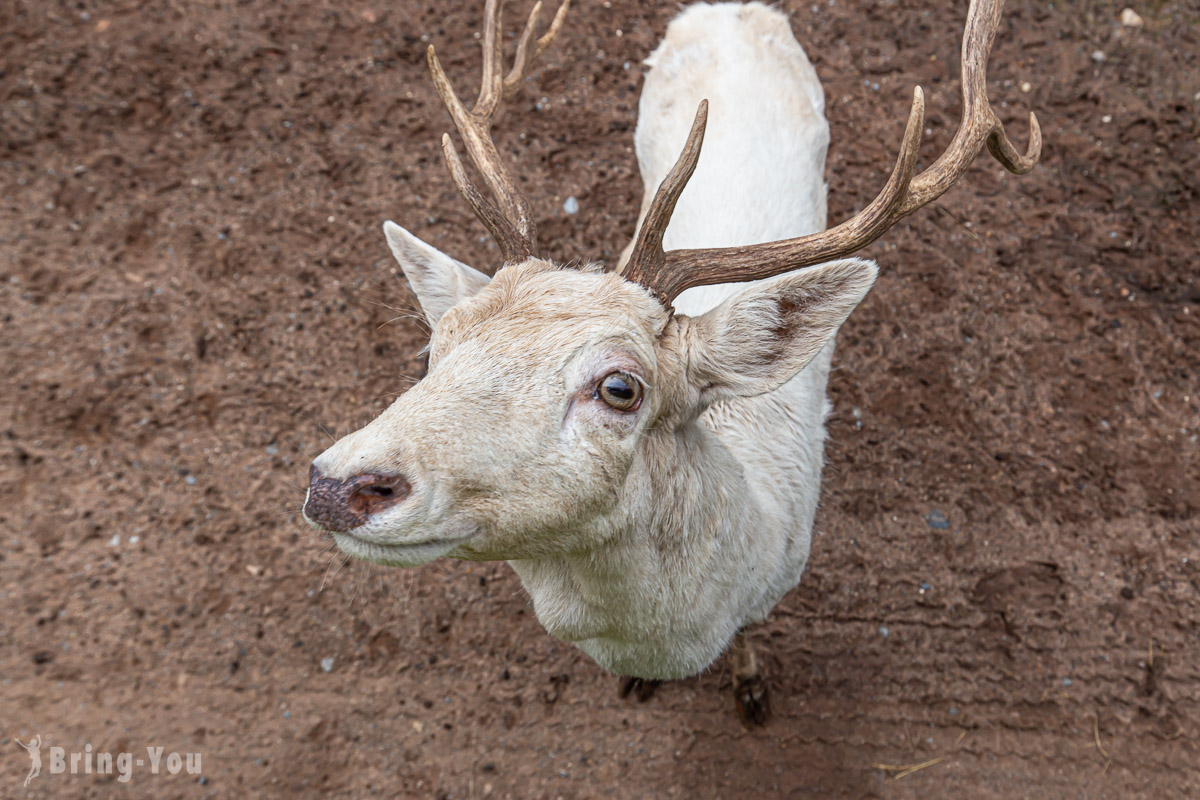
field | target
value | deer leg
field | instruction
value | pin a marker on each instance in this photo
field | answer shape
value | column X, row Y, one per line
column 749, row 687
column 641, row 688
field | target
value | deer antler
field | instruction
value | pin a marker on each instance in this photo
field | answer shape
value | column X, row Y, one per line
column 667, row 274
column 509, row 219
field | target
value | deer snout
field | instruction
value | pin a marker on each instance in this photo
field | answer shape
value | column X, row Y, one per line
column 344, row 505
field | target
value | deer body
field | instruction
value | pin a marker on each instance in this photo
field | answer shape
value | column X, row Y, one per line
column 643, row 446
column 718, row 530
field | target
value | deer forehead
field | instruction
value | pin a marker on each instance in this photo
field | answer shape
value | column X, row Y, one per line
column 538, row 313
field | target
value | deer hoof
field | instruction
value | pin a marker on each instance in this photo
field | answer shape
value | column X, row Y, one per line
column 641, row 688
column 753, row 700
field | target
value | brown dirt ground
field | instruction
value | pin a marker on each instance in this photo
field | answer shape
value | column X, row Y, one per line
column 195, row 286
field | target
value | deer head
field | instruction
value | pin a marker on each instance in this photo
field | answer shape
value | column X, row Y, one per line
column 552, row 393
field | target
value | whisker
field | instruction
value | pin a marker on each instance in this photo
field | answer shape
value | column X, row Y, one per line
column 357, row 585
column 405, row 315
column 382, row 304
column 330, row 576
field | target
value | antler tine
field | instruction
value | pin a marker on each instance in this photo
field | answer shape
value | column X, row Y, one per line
column 510, row 241
column 979, row 121
column 510, row 219
column 666, row 275
column 647, row 257
column 522, row 61
column 492, row 85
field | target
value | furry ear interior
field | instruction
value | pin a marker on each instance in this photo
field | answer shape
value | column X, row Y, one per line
column 439, row 281
column 761, row 337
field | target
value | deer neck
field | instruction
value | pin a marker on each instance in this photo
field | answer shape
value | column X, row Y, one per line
column 664, row 574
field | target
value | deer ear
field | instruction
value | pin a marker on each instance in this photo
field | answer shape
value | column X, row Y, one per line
column 439, row 281
column 761, row 337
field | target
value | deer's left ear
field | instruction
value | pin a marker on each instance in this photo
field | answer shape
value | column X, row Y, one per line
column 439, row 281
column 761, row 337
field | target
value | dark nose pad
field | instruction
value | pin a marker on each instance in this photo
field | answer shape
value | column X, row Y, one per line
column 344, row 505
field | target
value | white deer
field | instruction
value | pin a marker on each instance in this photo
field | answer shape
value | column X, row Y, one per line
column 643, row 446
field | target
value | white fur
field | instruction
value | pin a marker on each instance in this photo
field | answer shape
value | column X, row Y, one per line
column 649, row 539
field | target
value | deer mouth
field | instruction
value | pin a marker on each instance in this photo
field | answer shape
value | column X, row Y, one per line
column 393, row 554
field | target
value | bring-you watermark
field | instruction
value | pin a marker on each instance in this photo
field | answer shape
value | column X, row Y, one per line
column 58, row 761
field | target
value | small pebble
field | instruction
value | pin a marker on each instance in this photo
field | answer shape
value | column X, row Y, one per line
column 937, row 520
column 1067, row 681
column 571, row 206
column 884, row 632
column 115, row 540
column 327, row 664
column 1098, row 56
column 191, row 480
column 1132, row 19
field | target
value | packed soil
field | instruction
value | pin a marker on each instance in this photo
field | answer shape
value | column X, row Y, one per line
column 196, row 296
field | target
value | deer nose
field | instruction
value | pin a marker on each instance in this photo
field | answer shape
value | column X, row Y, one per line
column 344, row 505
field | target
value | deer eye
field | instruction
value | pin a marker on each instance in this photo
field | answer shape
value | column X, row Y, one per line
column 621, row 391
